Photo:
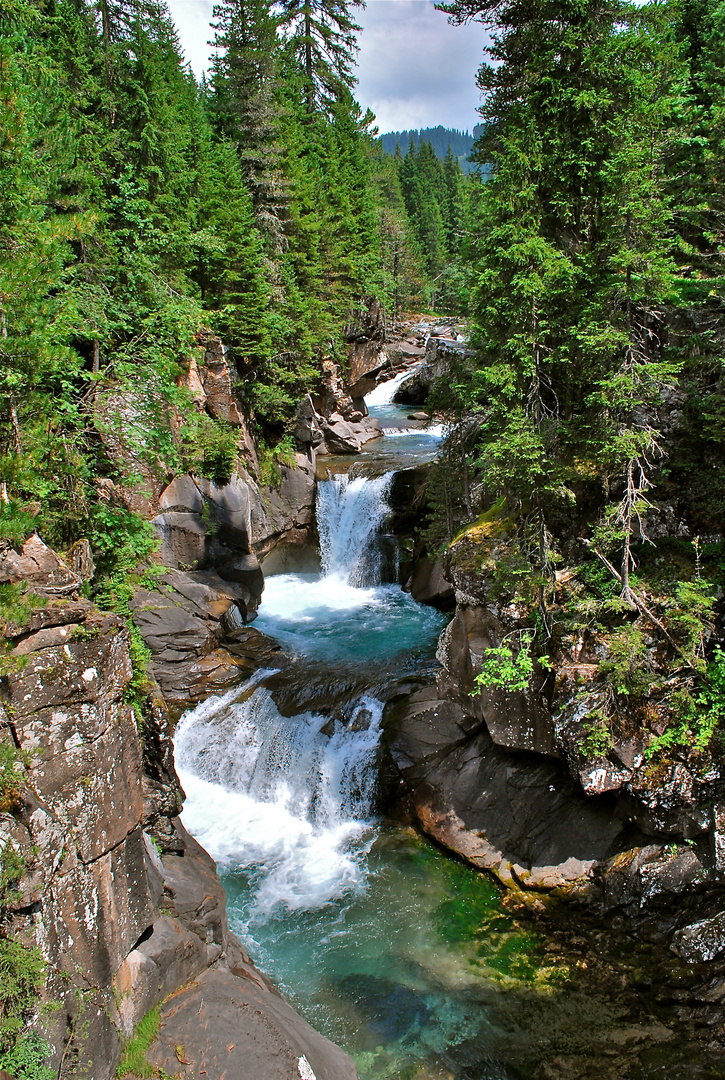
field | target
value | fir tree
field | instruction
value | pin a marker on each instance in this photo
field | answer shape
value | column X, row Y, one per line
column 322, row 35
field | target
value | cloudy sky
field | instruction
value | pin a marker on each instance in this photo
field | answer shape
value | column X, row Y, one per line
column 415, row 70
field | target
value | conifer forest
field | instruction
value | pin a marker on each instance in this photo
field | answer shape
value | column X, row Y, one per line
column 419, row 451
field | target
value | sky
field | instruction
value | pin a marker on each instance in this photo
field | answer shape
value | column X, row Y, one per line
column 414, row 68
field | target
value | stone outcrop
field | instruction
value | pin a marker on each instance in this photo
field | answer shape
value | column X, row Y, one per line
column 193, row 624
column 210, row 377
column 501, row 777
column 125, row 906
column 203, row 526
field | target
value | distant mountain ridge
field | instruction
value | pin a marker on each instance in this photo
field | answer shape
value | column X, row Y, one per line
column 460, row 142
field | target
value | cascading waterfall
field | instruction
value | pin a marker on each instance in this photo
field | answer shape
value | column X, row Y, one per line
column 275, row 795
column 349, row 515
column 291, row 799
column 384, row 392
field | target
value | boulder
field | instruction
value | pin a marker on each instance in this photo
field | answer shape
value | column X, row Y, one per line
column 518, row 816
column 191, row 624
column 429, row 585
column 341, row 438
column 44, row 571
column 516, row 721
column 701, row 941
column 635, row 878
column 204, row 526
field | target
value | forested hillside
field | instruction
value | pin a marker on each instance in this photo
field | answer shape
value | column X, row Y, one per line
column 440, row 138
column 140, row 209
column 590, row 428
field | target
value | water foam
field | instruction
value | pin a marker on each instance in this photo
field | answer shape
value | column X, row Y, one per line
column 434, row 431
column 275, row 795
column 384, row 392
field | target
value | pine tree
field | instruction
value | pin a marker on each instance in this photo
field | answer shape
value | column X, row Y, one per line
column 572, row 256
column 322, row 35
column 244, row 74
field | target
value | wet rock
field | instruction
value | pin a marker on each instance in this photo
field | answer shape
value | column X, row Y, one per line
column 516, row 815
column 170, row 957
column 415, row 390
column 227, row 1027
column 283, row 516
column 205, row 526
column 519, row 720
column 188, row 622
column 429, row 584
column 193, row 892
column 341, row 438
column 634, row 878
column 701, row 941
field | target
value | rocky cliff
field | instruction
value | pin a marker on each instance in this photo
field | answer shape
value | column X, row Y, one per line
column 504, row 778
column 125, row 907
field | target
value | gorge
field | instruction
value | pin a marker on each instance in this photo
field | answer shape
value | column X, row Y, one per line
column 362, row 667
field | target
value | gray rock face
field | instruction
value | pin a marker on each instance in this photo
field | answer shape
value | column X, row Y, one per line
column 429, row 585
column 702, row 940
column 283, row 516
column 44, row 571
column 516, row 721
column 231, row 1027
column 518, row 816
column 192, row 624
column 206, row 526
column 121, row 926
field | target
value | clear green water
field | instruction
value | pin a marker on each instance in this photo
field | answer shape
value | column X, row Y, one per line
column 423, row 973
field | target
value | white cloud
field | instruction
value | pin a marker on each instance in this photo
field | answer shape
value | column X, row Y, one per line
column 414, row 68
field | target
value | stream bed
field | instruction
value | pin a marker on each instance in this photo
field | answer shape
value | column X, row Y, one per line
column 409, row 960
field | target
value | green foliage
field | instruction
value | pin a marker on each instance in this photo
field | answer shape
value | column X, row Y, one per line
column 504, row 669
column 270, row 459
column 12, row 762
column 22, row 976
column 137, row 690
column 26, row 1060
column 697, row 715
column 17, row 604
column 597, row 738
column 12, row 868
column 627, row 669
column 133, row 1060
column 209, row 447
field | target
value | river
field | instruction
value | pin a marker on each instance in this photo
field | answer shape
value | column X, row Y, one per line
column 406, row 958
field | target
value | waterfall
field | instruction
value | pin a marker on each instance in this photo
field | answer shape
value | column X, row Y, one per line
column 277, row 796
column 384, row 392
column 349, row 515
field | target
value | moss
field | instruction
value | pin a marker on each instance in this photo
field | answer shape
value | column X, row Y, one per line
column 494, row 522
column 133, row 1060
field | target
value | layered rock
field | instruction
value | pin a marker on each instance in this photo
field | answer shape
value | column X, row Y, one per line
column 125, row 906
column 501, row 777
column 193, row 625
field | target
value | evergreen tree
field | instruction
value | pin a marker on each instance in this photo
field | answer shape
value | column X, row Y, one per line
column 572, row 257
column 244, row 106
column 322, row 35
